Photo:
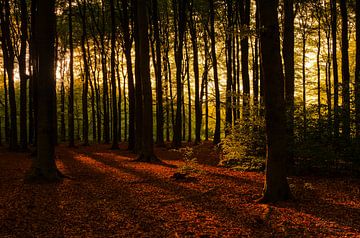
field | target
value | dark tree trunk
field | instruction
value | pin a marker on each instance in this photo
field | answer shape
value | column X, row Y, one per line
column 85, row 125
column 345, row 72
column 23, row 76
column 105, row 77
column 229, row 79
column 357, row 73
column 288, row 54
column 158, row 75
column 193, row 35
column 216, row 139
column 8, row 54
column 71, row 126
column 245, row 22
column 180, row 22
column 146, row 153
column 276, row 186
column 304, row 83
column 6, row 108
column 44, row 166
column 335, row 67
column 125, row 21
column 115, row 138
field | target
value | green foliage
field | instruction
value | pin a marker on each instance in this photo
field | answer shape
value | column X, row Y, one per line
column 191, row 165
column 244, row 149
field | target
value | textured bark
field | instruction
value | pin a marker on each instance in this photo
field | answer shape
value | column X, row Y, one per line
column 229, row 68
column 276, row 186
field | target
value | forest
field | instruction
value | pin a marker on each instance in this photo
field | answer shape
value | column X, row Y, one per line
column 180, row 118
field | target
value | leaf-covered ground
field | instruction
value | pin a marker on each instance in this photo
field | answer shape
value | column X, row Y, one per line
column 109, row 195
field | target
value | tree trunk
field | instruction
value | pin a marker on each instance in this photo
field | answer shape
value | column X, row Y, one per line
column 335, row 67
column 71, row 126
column 146, row 153
column 345, row 73
column 44, row 166
column 216, row 139
column 115, row 138
column 8, row 54
column 276, row 186
column 245, row 22
column 357, row 73
column 288, row 54
column 85, row 124
column 180, row 8
column 23, row 77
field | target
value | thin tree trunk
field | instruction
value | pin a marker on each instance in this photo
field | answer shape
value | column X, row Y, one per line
column 216, row 139
column 335, row 67
column 357, row 73
column 345, row 72
column 71, row 126
column 115, row 138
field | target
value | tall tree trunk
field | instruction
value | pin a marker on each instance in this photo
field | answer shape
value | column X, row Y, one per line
column 335, row 67
column 304, row 83
column 44, row 166
column 216, row 139
column 71, row 127
column 158, row 75
column 276, row 186
column 115, row 138
column 288, row 54
column 8, row 52
column 345, row 72
column 193, row 35
column 146, row 153
column 180, row 8
column 229, row 79
column 245, row 22
column 357, row 73
column 85, row 125
column 131, row 88
column 23, row 76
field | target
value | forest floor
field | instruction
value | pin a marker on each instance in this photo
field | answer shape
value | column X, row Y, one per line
column 109, row 195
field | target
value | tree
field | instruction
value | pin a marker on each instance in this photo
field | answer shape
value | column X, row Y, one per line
column 180, row 24
column 276, row 186
column 115, row 142
column 146, row 150
column 216, row 139
column 345, row 72
column 23, row 76
column 335, row 67
column 44, row 166
column 71, row 89
column 357, row 73
column 9, row 55
column 288, row 54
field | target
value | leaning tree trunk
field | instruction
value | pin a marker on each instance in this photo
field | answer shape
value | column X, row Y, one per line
column 276, row 186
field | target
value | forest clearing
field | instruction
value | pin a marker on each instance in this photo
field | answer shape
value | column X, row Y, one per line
column 109, row 195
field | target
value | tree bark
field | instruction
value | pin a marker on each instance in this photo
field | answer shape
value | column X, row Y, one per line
column 276, row 186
